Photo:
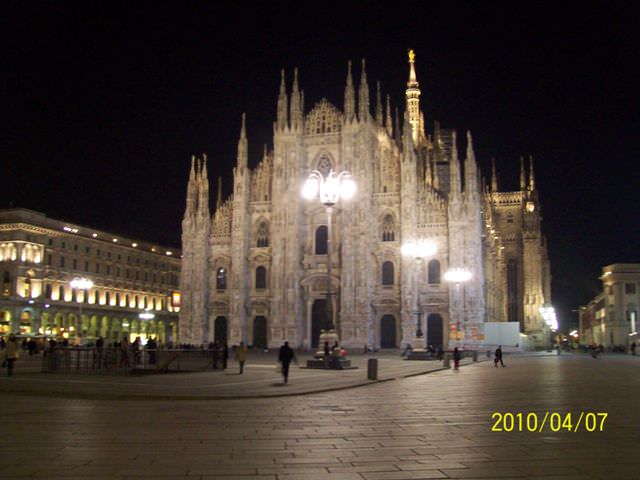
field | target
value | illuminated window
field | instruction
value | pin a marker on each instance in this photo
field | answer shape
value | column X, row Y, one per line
column 221, row 278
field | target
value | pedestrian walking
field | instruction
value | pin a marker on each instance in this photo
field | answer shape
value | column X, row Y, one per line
column 225, row 355
column 241, row 356
column 498, row 357
column 124, row 352
column 285, row 356
column 11, row 351
column 215, row 354
column 633, row 348
column 456, row 358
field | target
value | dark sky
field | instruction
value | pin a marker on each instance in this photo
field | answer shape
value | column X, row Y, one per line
column 105, row 102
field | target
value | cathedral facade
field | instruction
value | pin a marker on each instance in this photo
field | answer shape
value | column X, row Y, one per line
column 257, row 269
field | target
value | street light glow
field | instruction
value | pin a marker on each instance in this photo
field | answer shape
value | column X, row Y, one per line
column 457, row 275
column 549, row 316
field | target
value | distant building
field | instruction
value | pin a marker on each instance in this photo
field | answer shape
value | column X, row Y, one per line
column 39, row 259
column 257, row 269
column 611, row 318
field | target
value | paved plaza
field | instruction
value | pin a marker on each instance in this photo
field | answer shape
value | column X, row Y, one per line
column 435, row 425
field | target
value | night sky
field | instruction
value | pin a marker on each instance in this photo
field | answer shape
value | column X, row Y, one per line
column 104, row 103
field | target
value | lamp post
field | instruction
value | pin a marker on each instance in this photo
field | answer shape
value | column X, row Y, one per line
column 551, row 320
column 458, row 276
column 84, row 284
column 329, row 190
column 418, row 250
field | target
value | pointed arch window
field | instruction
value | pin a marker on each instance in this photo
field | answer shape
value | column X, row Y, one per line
column 434, row 272
column 262, row 235
column 261, row 277
column 322, row 238
column 388, row 229
column 221, row 278
column 387, row 273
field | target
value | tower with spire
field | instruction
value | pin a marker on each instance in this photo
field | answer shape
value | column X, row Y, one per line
column 257, row 270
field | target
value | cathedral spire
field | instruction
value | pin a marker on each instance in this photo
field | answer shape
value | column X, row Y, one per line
column 436, row 179
column 295, row 116
column 455, row 167
column 413, row 97
column 396, row 127
column 281, row 119
column 494, row 177
column 378, row 104
column 219, row 196
column 470, row 167
column 349, row 96
column 243, row 154
column 427, row 173
column 388, row 121
column 523, row 177
column 192, row 189
column 532, row 182
column 407, row 137
column 203, row 189
column 363, row 96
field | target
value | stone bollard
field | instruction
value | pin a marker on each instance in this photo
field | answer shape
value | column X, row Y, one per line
column 372, row 369
column 447, row 360
column 475, row 355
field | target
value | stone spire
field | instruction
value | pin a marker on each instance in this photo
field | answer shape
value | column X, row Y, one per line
column 532, row 181
column 428, row 176
column 363, row 96
column 407, row 137
column 470, row 167
column 243, row 154
column 295, row 116
column 203, row 190
column 494, row 177
column 379, row 116
column 523, row 177
column 396, row 127
column 192, row 191
column 436, row 179
column 454, row 171
column 413, row 98
column 281, row 119
column 219, row 196
column 388, row 121
column 349, row 96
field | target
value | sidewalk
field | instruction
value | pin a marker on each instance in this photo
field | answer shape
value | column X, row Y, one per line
column 260, row 380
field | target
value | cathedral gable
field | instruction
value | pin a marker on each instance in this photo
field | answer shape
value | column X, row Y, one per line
column 323, row 119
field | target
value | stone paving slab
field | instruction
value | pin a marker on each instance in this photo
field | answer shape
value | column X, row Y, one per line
column 429, row 426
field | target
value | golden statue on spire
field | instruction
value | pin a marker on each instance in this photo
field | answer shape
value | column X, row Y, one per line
column 412, row 55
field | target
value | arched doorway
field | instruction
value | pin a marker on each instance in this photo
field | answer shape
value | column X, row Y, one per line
column 318, row 320
column 388, row 336
column 434, row 330
column 260, row 332
column 220, row 329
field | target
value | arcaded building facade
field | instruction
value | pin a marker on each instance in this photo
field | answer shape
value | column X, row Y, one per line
column 256, row 270
column 134, row 284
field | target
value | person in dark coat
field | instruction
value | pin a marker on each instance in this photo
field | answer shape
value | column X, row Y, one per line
column 284, row 357
column 498, row 357
column 225, row 355
column 456, row 358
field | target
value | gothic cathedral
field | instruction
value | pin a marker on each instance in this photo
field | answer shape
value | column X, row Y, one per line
column 257, row 270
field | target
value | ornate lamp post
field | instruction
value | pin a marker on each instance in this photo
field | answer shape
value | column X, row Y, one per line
column 458, row 276
column 329, row 189
column 84, row 284
column 418, row 250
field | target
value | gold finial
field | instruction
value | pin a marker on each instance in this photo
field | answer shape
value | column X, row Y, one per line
column 412, row 56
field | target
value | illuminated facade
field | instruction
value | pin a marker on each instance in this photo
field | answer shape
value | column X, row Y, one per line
column 256, row 270
column 611, row 318
column 39, row 259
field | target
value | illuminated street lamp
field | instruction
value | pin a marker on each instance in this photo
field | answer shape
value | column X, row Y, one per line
column 329, row 190
column 418, row 250
column 84, row 284
column 458, row 276
column 550, row 318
